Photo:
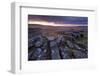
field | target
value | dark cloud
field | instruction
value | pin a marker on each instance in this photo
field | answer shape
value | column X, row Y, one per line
column 60, row 19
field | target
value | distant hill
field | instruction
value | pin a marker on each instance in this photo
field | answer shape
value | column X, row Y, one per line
column 57, row 28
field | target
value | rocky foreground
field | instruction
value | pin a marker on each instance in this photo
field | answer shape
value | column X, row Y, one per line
column 50, row 45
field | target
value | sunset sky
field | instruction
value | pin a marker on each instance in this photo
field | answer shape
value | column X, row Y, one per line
column 57, row 20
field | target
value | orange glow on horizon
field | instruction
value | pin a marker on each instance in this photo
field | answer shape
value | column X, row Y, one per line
column 50, row 23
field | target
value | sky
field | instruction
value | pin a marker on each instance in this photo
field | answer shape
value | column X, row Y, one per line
column 57, row 20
